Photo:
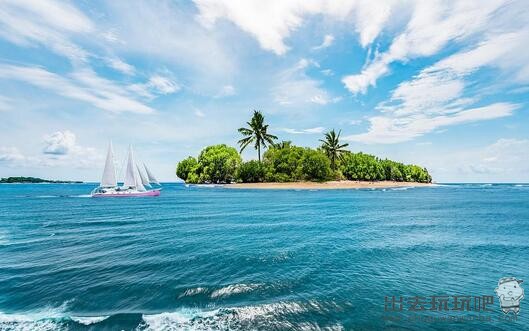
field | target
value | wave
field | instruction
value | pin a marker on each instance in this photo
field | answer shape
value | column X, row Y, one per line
column 193, row 291
column 264, row 316
column 88, row 320
column 234, row 289
column 222, row 292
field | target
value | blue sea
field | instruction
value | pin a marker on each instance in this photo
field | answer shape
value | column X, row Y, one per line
column 212, row 258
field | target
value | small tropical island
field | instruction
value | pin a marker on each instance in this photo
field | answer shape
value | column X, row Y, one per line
column 287, row 166
column 34, row 180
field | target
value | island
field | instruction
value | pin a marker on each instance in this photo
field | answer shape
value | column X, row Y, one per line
column 34, row 180
column 286, row 166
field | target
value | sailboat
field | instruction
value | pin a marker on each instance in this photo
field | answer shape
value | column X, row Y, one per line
column 135, row 184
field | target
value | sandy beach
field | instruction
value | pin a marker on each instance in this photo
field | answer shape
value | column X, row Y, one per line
column 331, row 185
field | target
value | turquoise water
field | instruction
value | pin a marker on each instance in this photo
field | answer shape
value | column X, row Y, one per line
column 214, row 258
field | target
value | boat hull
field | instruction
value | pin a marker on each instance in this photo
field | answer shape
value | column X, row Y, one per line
column 124, row 194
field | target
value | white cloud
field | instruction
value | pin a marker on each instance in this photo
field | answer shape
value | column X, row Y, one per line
column 60, row 150
column 316, row 130
column 46, row 22
column 389, row 130
column 120, row 65
column 432, row 25
column 274, row 22
column 158, row 84
column 170, row 34
column 327, row 42
column 59, row 143
column 163, row 85
column 505, row 160
column 436, row 96
column 296, row 87
column 83, row 85
column 10, row 155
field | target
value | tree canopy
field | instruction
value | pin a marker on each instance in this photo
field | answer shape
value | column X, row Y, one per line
column 256, row 133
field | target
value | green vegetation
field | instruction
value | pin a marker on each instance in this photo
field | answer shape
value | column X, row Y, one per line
column 215, row 164
column 256, row 133
column 34, row 180
column 333, row 149
column 285, row 162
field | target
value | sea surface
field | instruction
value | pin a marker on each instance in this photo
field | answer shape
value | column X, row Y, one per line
column 211, row 258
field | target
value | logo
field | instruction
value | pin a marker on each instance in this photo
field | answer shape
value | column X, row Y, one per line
column 510, row 294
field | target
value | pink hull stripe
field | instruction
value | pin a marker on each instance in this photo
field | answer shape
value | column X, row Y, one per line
column 152, row 193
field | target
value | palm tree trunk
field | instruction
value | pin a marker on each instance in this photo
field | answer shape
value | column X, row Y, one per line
column 259, row 152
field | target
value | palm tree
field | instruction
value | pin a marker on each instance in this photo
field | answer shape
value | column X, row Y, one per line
column 331, row 146
column 256, row 133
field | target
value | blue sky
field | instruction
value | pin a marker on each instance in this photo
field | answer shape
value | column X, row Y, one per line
column 444, row 84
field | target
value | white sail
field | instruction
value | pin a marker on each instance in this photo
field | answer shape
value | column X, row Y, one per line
column 152, row 179
column 144, row 179
column 130, row 174
column 139, row 185
column 109, row 173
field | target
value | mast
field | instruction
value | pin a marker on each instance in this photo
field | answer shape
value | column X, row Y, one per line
column 109, row 173
column 152, row 179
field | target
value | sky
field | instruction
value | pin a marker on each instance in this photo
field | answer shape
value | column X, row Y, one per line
column 443, row 84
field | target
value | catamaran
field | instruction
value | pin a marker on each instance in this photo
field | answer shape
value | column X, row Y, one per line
column 135, row 180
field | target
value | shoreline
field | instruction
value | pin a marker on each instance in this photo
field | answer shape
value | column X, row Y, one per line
column 330, row 185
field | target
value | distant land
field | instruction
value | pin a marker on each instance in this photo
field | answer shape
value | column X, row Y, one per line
column 34, row 180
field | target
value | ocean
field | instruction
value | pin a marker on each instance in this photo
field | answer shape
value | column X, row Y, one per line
column 211, row 258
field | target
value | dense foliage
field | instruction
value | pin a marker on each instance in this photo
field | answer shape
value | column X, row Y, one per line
column 360, row 166
column 285, row 162
column 251, row 172
column 187, row 167
column 215, row 164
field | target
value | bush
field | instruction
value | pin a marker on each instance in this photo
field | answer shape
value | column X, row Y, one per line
column 283, row 163
column 251, row 172
column 360, row 166
column 186, row 167
column 315, row 165
column 218, row 164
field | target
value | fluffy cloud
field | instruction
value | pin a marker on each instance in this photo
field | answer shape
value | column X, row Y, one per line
column 59, row 143
column 60, row 150
column 295, row 87
column 273, row 22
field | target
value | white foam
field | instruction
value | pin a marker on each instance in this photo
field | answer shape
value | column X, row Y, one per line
column 193, row 291
column 88, row 320
column 234, row 289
